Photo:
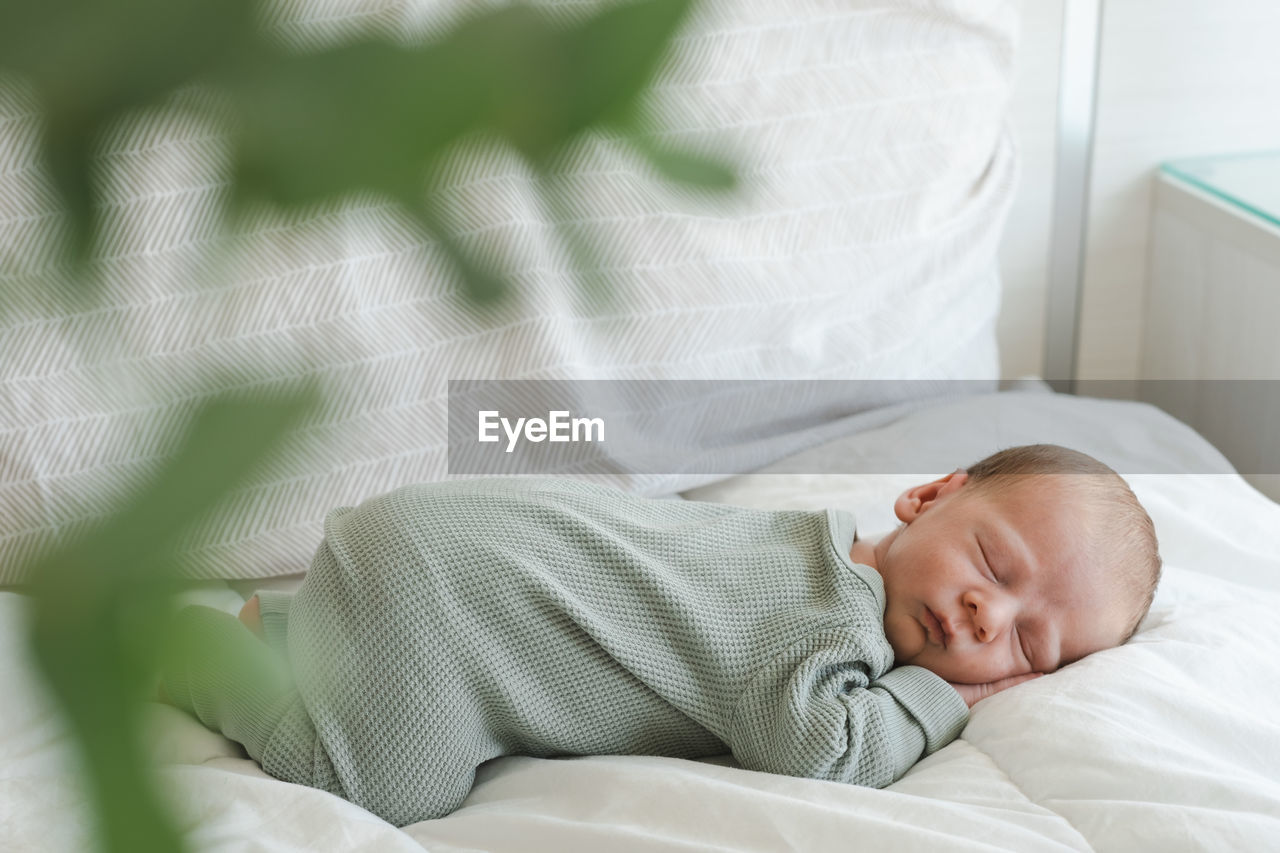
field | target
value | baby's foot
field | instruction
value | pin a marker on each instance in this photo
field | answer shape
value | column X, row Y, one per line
column 250, row 615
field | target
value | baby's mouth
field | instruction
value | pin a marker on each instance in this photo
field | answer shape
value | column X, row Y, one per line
column 933, row 627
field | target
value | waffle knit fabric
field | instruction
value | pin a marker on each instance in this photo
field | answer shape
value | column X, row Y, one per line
column 445, row 624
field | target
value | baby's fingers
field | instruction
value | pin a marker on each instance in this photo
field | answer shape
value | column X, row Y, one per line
column 1011, row 681
column 975, row 693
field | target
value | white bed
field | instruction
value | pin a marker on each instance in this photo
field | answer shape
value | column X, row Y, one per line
column 1167, row 743
column 878, row 167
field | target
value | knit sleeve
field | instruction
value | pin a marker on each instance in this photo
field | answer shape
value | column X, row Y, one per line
column 815, row 711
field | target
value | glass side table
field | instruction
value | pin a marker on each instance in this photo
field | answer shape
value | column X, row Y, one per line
column 1213, row 305
column 1251, row 182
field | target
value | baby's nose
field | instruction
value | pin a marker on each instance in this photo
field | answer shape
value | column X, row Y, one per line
column 986, row 616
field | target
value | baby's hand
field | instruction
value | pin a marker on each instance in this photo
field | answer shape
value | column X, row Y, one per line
column 972, row 694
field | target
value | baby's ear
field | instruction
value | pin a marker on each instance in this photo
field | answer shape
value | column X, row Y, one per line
column 912, row 503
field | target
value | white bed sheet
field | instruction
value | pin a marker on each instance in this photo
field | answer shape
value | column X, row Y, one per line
column 1168, row 743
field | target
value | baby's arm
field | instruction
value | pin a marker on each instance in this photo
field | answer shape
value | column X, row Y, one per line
column 815, row 712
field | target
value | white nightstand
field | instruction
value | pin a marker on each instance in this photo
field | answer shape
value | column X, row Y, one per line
column 1213, row 306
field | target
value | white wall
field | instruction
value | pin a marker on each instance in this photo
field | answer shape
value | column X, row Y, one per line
column 1177, row 78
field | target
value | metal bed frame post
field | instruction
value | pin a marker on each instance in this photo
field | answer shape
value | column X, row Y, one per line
column 1077, row 102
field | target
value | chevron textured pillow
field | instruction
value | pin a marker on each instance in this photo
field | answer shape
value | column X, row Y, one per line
column 876, row 171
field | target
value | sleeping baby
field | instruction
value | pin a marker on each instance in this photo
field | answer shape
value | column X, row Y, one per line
column 446, row 624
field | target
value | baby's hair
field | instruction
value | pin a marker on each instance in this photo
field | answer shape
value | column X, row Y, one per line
column 1124, row 527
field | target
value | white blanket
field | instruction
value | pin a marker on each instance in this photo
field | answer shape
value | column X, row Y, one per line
column 1168, row 743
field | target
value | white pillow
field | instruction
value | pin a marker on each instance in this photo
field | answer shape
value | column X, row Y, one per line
column 876, row 170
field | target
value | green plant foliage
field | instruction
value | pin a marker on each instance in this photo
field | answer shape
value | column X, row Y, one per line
column 374, row 114
column 685, row 167
column 366, row 115
column 306, row 127
column 101, row 612
column 90, row 60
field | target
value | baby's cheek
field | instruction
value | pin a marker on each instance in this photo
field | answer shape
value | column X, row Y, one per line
column 909, row 641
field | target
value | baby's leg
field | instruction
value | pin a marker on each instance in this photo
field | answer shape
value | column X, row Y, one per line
column 230, row 680
column 238, row 685
column 266, row 613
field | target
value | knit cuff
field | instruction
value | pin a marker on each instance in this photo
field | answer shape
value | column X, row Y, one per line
column 933, row 703
column 216, row 669
column 273, row 609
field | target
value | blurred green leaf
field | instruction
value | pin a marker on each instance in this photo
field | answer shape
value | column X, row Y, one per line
column 376, row 115
column 101, row 614
column 575, row 232
column 94, row 58
column 522, row 59
column 553, row 83
column 482, row 285
column 364, row 116
column 612, row 57
column 90, row 60
column 313, row 126
column 686, row 167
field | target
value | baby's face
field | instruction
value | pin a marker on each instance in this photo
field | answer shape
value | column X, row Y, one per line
column 985, row 585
